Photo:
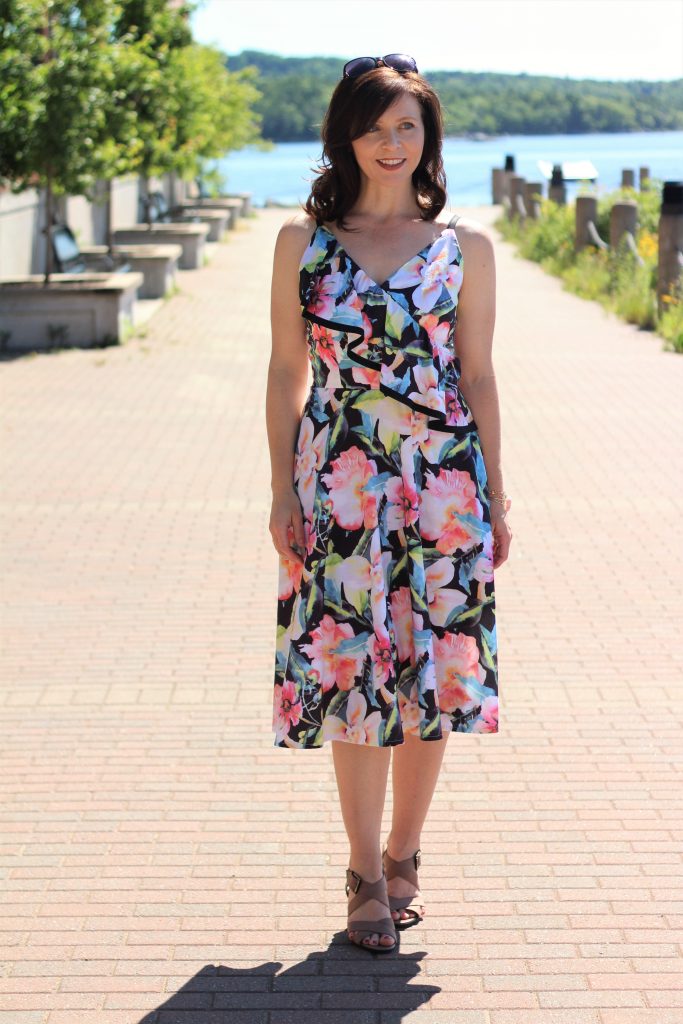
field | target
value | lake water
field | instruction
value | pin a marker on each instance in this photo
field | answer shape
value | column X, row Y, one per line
column 282, row 174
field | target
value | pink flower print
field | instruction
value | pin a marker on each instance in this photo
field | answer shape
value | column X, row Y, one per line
column 309, row 459
column 332, row 669
column 442, row 598
column 323, row 342
column 488, row 719
column 445, row 500
column 456, row 658
column 429, row 393
column 364, row 582
column 363, row 375
column 289, row 579
column 482, row 569
column 323, row 292
column 394, row 420
column 410, row 711
column 402, row 618
column 359, row 727
column 352, row 506
column 382, row 660
column 438, row 332
column 286, row 708
column 432, row 274
column 456, row 415
column 404, row 507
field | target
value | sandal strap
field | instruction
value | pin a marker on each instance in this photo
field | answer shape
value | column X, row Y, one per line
column 406, row 868
column 383, row 925
column 364, row 890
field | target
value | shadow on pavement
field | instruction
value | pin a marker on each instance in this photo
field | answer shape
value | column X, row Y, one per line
column 342, row 983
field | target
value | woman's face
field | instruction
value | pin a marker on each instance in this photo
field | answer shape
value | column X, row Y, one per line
column 397, row 134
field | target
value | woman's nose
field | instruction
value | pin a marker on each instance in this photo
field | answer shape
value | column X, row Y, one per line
column 391, row 136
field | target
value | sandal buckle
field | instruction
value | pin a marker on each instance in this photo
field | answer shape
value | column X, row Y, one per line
column 358, row 878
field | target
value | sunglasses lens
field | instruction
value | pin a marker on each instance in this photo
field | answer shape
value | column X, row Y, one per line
column 400, row 62
column 359, row 66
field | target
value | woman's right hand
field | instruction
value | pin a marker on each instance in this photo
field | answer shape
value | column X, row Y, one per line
column 287, row 525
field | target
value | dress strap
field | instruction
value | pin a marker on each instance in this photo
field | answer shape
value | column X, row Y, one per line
column 453, row 221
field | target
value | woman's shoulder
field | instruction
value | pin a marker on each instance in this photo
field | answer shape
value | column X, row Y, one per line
column 298, row 227
column 294, row 236
column 470, row 226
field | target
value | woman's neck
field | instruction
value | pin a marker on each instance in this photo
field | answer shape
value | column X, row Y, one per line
column 383, row 204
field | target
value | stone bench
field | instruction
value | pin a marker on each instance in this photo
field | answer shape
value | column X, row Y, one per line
column 217, row 219
column 157, row 263
column 190, row 237
column 244, row 198
column 232, row 208
column 73, row 310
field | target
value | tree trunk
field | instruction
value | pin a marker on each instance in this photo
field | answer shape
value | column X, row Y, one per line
column 109, row 232
column 48, row 229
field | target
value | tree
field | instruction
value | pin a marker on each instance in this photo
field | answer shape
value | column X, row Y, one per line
column 57, row 73
column 92, row 89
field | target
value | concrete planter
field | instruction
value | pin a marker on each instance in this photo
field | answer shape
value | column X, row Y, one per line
column 157, row 263
column 233, row 208
column 73, row 311
column 190, row 237
column 217, row 220
column 244, row 198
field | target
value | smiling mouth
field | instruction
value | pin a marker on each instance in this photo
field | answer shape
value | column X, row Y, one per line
column 392, row 163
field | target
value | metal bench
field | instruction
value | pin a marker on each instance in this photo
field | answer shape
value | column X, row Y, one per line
column 70, row 260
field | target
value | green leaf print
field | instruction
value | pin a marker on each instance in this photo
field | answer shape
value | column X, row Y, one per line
column 354, row 644
column 396, row 321
column 399, row 567
column 432, row 728
column 487, row 657
column 389, row 724
column 296, row 668
column 315, row 600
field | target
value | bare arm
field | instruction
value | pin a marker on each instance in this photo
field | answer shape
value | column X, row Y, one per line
column 476, row 318
column 286, row 390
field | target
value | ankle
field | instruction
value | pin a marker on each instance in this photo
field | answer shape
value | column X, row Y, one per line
column 367, row 865
column 399, row 847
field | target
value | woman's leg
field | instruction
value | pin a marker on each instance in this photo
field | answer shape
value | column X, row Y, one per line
column 362, row 773
column 414, row 774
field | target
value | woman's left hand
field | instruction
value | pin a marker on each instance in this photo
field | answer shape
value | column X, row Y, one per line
column 502, row 535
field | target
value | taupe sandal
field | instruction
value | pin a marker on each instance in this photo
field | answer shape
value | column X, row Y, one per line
column 369, row 891
column 406, row 869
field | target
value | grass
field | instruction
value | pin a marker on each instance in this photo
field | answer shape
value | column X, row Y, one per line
column 614, row 278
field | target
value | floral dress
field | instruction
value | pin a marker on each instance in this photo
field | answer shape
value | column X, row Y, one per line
column 389, row 626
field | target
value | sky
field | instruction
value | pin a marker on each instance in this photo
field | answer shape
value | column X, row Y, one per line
column 614, row 40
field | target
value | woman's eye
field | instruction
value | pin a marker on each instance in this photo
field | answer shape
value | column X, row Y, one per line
column 408, row 124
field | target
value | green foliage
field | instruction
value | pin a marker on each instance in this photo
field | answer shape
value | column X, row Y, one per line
column 616, row 278
column 297, row 90
column 93, row 89
column 57, row 74
column 670, row 324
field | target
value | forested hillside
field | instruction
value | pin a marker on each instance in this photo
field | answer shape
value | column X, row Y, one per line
column 296, row 91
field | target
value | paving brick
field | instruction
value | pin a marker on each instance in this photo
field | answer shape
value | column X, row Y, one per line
column 161, row 860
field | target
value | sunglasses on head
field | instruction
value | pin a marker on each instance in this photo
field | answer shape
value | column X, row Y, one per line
column 398, row 61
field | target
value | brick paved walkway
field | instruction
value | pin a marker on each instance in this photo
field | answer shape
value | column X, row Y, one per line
column 155, row 842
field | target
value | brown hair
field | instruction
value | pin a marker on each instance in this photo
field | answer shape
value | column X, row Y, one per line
column 355, row 106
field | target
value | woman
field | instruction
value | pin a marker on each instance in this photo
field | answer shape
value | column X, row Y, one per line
column 388, row 507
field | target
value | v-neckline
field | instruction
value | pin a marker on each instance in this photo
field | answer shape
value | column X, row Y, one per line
column 389, row 279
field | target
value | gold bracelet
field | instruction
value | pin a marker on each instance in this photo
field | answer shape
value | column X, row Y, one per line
column 505, row 501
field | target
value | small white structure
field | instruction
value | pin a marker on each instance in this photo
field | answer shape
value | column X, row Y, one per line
column 572, row 170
